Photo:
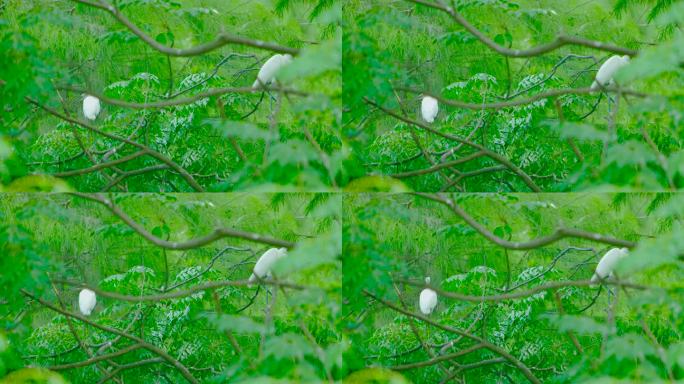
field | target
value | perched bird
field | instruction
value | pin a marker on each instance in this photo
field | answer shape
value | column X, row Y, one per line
column 428, row 299
column 604, row 76
column 268, row 71
column 607, row 264
column 262, row 268
column 86, row 301
column 429, row 108
column 91, row 107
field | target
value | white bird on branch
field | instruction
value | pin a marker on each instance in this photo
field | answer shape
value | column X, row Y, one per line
column 604, row 76
column 91, row 107
column 86, row 301
column 262, row 268
column 607, row 264
column 428, row 299
column 429, row 108
column 268, row 71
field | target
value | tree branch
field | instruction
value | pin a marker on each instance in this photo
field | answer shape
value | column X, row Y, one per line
column 485, row 344
column 528, row 100
column 217, row 234
column 520, row 294
column 182, row 293
column 221, row 40
column 491, row 154
column 559, row 234
column 182, row 101
column 438, row 359
column 96, row 167
column 184, row 174
column 560, row 40
column 95, row 359
column 144, row 344
column 438, row 166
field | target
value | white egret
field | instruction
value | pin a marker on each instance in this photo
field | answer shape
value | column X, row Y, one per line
column 91, row 107
column 268, row 71
column 428, row 299
column 429, row 108
column 262, row 268
column 86, row 301
column 608, row 262
column 604, row 76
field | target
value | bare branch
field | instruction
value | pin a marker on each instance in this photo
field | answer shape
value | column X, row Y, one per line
column 560, row 40
column 182, row 293
column 521, row 294
column 528, row 100
column 221, row 40
column 438, row 166
column 135, row 364
column 559, row 233
column 95, row 359
column 438, row 359
column 485, row 344
column 96, row 167
column 217, row 234
column 182, row 101
column 184, row 174
column 491, row 154
column 144, row 344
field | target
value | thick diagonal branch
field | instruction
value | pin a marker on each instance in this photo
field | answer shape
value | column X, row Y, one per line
column 217, row 234
column 485, row 344
column 487, row 152
column 560, row 41
column 157, row 155
column 221, row 40
column 144, row 344
column 559, row 234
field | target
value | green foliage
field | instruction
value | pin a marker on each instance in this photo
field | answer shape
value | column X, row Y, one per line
column 57, row 236
column 47, row 45
column 392, row 237
column 391, row 44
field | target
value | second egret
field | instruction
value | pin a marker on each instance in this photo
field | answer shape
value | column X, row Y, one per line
column 429, row 108
column 428, row 299
column 86, row 301
column 91, row 107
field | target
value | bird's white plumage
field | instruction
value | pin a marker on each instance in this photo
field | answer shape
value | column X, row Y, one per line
column 91, row 107
column 604, row 76
column 429, row 108
column 270, row 68
column 608, row 262
column 86, row 301
column 262, row 268
column 428, row 299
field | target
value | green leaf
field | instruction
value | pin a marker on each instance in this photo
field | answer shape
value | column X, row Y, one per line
column 630, row 153
column 629, row 346
column 288, row 346
column 311, row 253
column 234, row 323
column 239, row 129
column 582, row 325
